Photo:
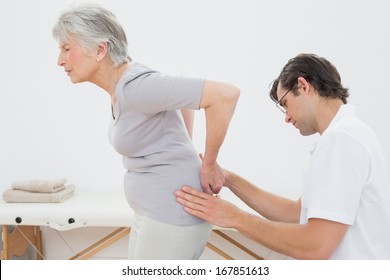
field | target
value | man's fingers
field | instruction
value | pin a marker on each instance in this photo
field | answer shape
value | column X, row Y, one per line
column 192, row 198
column 194, row 192
column 189, row 200
column 189, row 204
column 195, row 213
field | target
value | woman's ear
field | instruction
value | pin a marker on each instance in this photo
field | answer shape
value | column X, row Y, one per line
column 101, row 51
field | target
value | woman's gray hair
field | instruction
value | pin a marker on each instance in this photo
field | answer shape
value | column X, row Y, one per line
column 90, row 24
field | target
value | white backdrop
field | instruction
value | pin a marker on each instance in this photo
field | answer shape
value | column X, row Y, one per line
column 51, row 128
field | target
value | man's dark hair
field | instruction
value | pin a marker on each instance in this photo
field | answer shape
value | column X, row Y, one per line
column 318, row 71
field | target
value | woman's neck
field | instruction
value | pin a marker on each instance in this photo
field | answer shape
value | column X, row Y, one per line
column 107, row 77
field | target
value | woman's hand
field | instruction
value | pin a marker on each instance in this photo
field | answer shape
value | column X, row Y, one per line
column 212, row 177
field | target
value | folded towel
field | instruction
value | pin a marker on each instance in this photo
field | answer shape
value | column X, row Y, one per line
column 26, row 196
column 42, row 186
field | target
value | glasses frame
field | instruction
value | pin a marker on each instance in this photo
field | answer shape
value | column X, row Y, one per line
column 279, row 104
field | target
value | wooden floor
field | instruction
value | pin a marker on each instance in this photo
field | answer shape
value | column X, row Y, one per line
column 235, row 252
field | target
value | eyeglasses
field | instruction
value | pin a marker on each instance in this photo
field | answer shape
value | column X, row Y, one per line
column 279, row 103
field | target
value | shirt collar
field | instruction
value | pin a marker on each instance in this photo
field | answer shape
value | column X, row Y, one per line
column 345, row 110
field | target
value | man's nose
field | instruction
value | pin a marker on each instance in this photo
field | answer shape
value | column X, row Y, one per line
column 287, row 118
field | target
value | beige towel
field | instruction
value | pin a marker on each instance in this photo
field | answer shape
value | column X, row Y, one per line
column 26, row 196
column 43, row 186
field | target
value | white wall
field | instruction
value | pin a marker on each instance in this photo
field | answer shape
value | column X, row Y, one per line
column 52, row 128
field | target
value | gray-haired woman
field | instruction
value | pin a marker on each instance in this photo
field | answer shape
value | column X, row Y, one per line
column 150, row 131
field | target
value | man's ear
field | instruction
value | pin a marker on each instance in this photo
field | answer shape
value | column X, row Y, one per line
column 304, row 85
column 101, row 51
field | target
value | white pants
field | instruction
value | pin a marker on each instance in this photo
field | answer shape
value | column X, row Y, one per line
column 153, row 240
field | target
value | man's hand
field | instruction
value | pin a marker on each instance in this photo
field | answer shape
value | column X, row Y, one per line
column 208, row 207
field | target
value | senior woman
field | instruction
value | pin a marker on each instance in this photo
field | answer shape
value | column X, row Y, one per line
column 151, row 127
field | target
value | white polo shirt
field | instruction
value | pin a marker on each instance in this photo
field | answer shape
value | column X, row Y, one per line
column 346, row 182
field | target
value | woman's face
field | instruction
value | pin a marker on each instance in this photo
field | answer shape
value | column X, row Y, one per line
column 79, row 65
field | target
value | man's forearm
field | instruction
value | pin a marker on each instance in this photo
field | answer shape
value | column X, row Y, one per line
column 270, row 206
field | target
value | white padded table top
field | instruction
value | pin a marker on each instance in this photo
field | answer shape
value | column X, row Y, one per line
column 84, row 208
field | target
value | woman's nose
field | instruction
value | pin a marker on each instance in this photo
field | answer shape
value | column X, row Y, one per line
column 60, row 60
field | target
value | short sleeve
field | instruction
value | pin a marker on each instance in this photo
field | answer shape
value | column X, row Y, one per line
column 338, row 176
column 156, row 92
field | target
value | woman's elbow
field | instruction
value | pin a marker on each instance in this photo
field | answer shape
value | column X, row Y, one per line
column 232, row 94
column 235, row 93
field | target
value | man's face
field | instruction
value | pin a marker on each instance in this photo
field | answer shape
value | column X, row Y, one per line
column 297, row 109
